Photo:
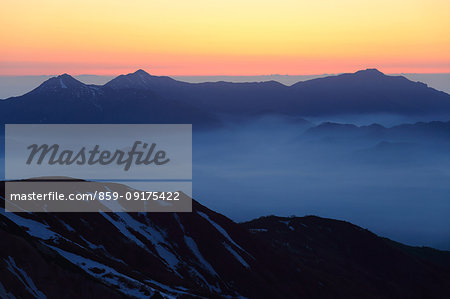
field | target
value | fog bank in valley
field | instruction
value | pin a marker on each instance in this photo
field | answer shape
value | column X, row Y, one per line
column 394, row 183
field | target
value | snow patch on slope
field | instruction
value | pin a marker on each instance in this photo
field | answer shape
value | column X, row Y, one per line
column 223, row 232
column 34, row 228
column 194, row 248
column 62, row 83
column 236, row 255
column 109, row 275
column 125, row 222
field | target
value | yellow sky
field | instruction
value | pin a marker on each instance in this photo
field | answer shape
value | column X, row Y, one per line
column 200, row 37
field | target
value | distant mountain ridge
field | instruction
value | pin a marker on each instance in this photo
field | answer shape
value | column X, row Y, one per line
column 141, row 97
column 63, row 99
column 370, row 91
column 435, row 130
column 139, row 80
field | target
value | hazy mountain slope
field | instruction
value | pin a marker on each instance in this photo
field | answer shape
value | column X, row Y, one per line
column 409, row 146
column 437, row 131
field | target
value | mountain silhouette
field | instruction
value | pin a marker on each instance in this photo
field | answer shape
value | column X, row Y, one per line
column 370, row 91
column 63, row 99
column 63, row 81
column 139, row 80
column 364, row 92
column 419, row 145
column 423, row 131
column 142, row 98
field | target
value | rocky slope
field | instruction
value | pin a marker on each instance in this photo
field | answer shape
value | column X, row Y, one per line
column 204, row 254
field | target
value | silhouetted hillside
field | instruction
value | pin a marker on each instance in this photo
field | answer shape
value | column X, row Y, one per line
column 140, row 97
column 64, row 99
column 205, row 254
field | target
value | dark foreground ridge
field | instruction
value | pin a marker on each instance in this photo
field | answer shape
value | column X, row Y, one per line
column 204, row 254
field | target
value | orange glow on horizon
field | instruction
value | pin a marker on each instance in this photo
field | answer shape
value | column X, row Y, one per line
column 203, row 37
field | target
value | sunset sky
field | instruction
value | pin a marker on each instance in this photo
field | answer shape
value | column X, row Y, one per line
column 233, row 37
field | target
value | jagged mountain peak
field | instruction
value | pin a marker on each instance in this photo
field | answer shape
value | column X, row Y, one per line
column 64, row 87
column 64, row 81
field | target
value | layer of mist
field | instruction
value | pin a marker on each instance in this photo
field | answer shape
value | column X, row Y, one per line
column 394, row 181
